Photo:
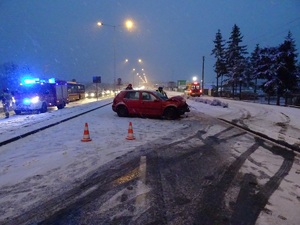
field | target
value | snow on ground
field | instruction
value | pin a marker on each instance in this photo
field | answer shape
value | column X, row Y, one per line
column 277, row 122
column 57, row 155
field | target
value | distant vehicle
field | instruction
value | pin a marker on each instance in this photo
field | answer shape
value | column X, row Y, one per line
column 39, row 94
column 193, row 89
column 76, row 91
column 93, row 94
column 148, row 104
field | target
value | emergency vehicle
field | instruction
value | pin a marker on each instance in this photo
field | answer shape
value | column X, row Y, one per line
column 193, row 89
column 39, row 94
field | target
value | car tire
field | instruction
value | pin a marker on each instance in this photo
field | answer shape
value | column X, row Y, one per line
column 61, row 106
column 44, row 108
column 122, row 111
column 170, row 113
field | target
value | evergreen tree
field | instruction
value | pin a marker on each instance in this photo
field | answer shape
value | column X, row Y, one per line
column 287, row 71
column 254, row 66
column 235, row 55
column 219, row 53
column 268, row 70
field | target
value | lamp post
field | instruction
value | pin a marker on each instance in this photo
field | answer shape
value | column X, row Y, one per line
column 129, row 25
column 133, row 71
column 203, row 75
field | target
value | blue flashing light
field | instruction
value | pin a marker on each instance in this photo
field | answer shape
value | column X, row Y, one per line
column 52, row 81
column 26, row 101
column 28, row 80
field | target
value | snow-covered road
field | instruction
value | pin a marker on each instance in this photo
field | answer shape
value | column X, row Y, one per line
column 58, row 158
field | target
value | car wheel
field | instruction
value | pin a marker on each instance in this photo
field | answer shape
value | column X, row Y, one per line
column 44, row 108
column 170, row 113
column 61, row 106
column 122, row 111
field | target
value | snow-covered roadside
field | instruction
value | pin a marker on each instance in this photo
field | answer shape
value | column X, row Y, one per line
column 277, row 122
column 280, row 123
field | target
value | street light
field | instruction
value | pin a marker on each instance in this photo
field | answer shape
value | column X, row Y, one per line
column 133, row 70
column 129, row 25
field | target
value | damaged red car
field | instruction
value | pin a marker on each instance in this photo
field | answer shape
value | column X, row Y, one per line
column 146, row 103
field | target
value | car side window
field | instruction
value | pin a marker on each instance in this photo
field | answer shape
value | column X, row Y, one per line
column 152, row 97
column 133, row 95
column 145, row 96
column 148, row 96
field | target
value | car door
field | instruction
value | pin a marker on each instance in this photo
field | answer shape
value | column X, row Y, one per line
column 150, row 104
column 132, row 102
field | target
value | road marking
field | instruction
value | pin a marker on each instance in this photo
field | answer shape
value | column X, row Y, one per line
column 142, row 189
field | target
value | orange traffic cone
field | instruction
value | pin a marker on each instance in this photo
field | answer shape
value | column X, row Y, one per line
column 130, row 132
column 86, row 134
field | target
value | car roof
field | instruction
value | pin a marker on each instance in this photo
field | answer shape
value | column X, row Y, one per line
column 151, row 91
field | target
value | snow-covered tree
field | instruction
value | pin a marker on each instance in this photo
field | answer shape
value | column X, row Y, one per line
column 219, row 53
column 235, row 56
column 287, row 71
column 278, row 66
column 267, row 68
column 254, row 66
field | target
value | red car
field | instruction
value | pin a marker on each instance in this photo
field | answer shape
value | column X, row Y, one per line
column 148, row 104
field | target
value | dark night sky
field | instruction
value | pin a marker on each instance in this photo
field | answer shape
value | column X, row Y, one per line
column 60, row 38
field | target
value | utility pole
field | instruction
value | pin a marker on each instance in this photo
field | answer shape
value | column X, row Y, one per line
column 203, row 76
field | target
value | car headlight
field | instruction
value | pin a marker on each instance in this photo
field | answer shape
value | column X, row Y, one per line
column 35, row 99
column 28, row 101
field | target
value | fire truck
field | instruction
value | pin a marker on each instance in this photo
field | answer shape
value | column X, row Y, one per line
column 193, row 89
column 37, row 95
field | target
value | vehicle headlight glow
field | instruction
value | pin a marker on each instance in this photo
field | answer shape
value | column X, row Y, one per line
column 28, row 101
column 92, row 94
column 35, row 99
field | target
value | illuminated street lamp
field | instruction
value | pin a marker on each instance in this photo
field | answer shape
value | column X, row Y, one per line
column 194, row 78
column 133, row 70
column 129, row 25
